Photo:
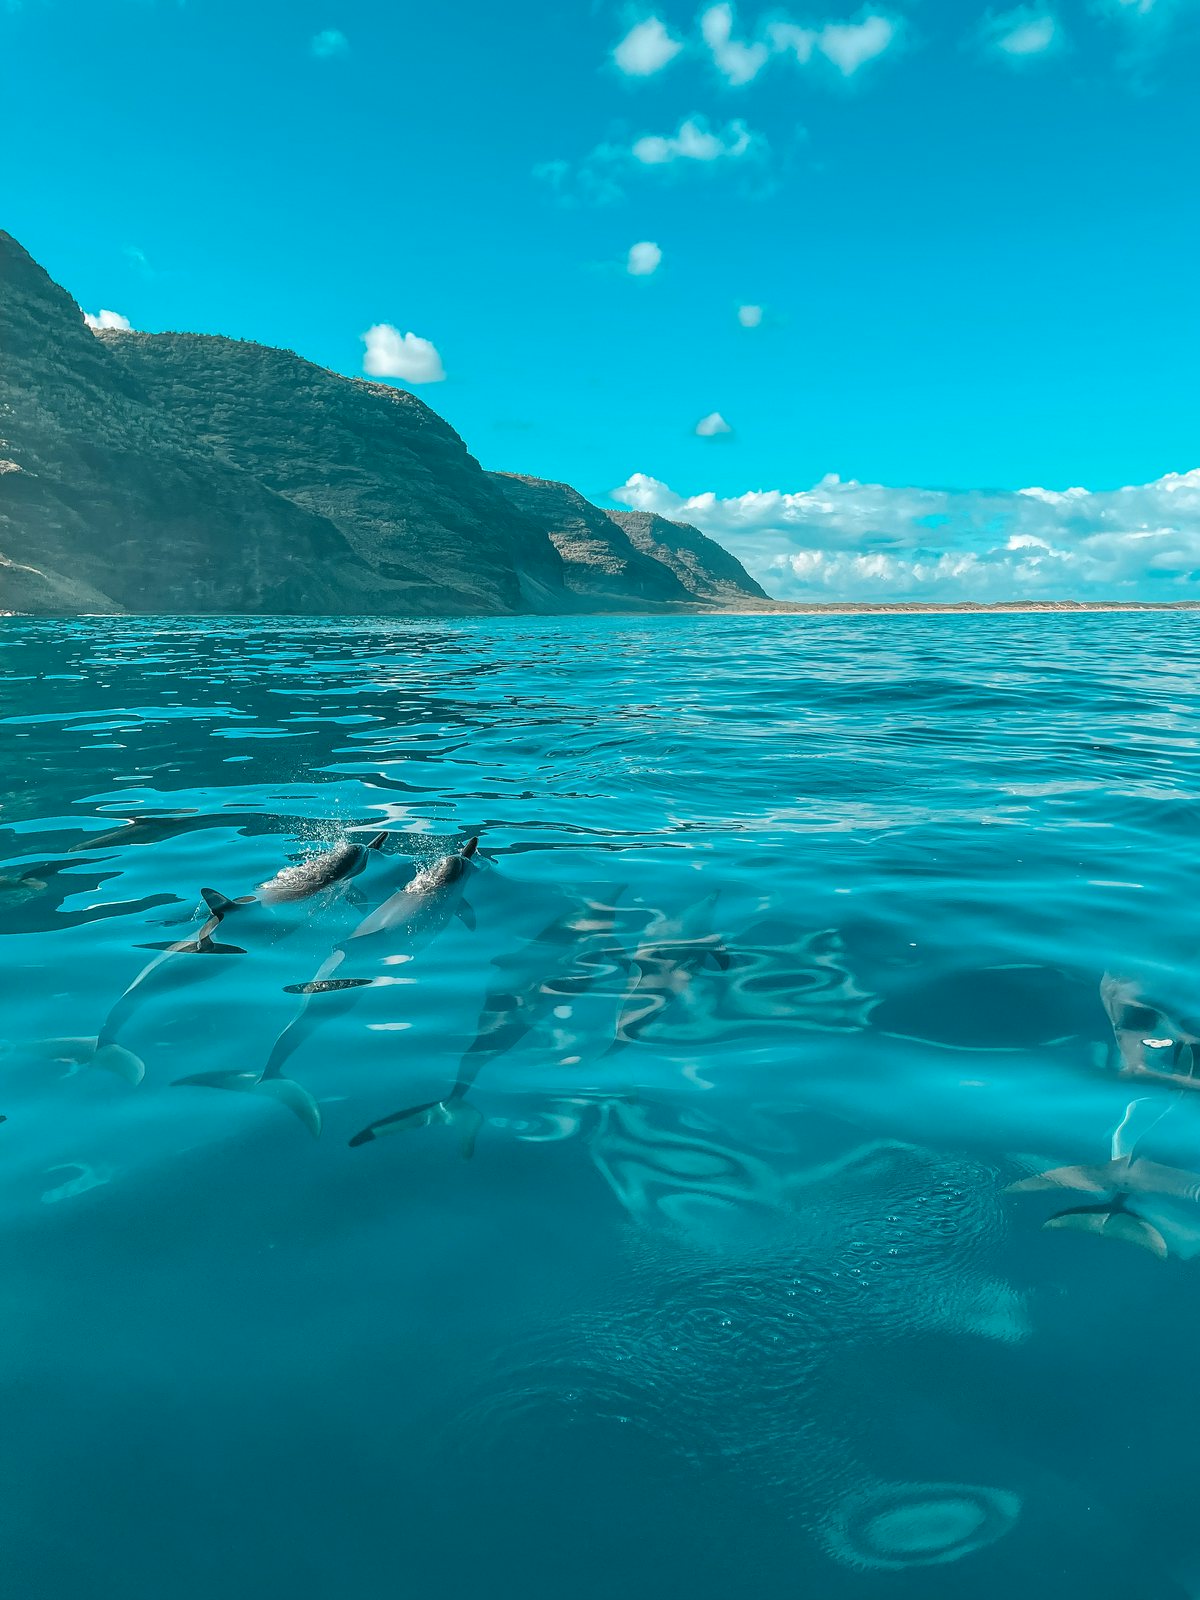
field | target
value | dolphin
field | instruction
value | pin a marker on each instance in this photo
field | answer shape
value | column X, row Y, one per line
column 134, row 830
column 1124, row 1176
column 512, row 1008
column 422, row 908
column 108, row 1052
column 307, row 878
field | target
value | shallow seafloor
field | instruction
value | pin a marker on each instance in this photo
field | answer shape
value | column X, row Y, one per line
column 782, row 961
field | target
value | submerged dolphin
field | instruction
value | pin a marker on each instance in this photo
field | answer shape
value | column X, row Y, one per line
column 134, row 830
column 511, row 1009
column 1123, row 1177
column 309, row 877
column 108, row 1052
column 422, row 907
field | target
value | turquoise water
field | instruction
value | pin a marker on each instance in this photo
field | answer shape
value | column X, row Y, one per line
column 779, row 962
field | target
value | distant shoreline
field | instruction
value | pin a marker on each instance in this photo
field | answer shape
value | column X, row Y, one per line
column 778, row 608
column 850, row 608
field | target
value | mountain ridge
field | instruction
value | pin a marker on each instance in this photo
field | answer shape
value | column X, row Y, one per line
column 144, row 472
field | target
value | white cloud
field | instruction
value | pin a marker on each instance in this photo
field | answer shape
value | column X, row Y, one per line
column 695, row 141
column 850, row 45
column 860, row 541
column 109, row 319
column 735, row 60
column 644, row 258
column 392, row 354
column 788, row 37
column 329, row 43
column 750, row 316
column 1023, row 33
column 646, row 49
column 710, row 426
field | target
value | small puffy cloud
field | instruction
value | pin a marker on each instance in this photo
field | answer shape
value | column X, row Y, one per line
column 736, row 61
column 392, row 354
column 109, row 319
column 647, row 48
column 711, row 426
column 847, row 45
column 1023, row 33
column 327, row 44
column 750, row 316
column 644, row 258
column 850, row 45
column 844, row 540
column 695, row 141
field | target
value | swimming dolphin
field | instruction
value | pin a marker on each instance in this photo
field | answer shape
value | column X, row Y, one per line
column 1123, row 1177
column 309, row 877
column 148, row 981
column 422, row 908
column 134, row 830
column 511, row 1009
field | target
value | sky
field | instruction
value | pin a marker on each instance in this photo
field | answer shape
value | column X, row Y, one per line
column 841, row 286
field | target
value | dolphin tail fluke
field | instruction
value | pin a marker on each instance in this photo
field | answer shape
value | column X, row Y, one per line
column 1091, row 1180
column 296, row 1098
column 1111, row 1222
column 289, row 1093
column 221, row 904
column 115, row 1058
column 378, row 842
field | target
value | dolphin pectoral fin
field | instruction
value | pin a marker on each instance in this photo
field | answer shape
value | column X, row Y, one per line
column 1091, row 1180
column 466, row 916
column 378, row 842
column 1111, row 1223
column 115, row 1058
column 296, row 1098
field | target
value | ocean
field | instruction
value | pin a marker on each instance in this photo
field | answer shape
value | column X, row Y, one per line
column 629, row 1207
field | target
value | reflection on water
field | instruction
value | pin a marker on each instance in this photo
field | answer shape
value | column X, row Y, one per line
column 817, row 1014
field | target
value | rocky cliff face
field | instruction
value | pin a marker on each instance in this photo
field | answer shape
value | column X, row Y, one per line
column 705, row 569
column 603, row 566
column 183, row 472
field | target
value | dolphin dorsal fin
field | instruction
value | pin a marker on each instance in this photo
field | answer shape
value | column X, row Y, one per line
column 377, row 842
column 469, row 849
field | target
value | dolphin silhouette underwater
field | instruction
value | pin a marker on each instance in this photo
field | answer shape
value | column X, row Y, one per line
column 1139, row 1025
column 1125, row 1176
column 673, row 951
column 422, row 908
column 512, row 1008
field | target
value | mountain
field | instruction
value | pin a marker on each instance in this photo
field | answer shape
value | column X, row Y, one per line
column 187, row 472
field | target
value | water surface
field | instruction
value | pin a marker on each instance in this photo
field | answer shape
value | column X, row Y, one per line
column 781, row 962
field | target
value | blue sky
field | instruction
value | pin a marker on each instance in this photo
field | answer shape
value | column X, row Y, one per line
column 973, row 236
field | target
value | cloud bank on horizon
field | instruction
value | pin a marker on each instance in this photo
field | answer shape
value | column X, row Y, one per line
column 844, row 540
